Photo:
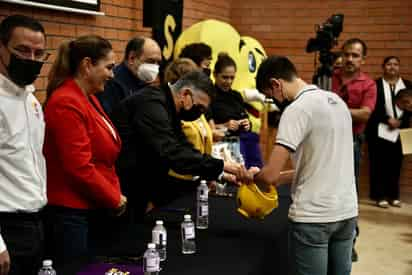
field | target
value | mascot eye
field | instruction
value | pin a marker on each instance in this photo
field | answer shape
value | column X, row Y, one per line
column 252, row 62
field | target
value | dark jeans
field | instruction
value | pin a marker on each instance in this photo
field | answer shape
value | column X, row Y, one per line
column 66, row 233
column 357, row 155
column 23, row 234
column 321, row 248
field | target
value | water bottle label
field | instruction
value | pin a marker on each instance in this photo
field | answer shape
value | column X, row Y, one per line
column 204, row 210
column 190, row 232
column 152, row 265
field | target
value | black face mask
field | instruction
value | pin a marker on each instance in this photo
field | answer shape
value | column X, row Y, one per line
column 281, row 105
column 207, row 71
column 23, row 71
column 192, row 114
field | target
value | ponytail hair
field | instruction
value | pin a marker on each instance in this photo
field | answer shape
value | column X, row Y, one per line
column 71, row 54
column 60, row 69
column 223, row 61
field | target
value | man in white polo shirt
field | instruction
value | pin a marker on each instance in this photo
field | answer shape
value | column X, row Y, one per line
column 22, row 165
column 316, row 131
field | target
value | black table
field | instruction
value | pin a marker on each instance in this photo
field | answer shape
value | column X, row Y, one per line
column 231, row 244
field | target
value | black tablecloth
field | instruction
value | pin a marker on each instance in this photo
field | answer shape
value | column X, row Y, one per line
column 231, row 244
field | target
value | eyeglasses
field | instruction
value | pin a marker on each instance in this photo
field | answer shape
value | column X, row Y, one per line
column 28, row 53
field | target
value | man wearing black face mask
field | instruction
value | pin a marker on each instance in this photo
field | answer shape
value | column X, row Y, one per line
column 157, row 140
column 22, row 165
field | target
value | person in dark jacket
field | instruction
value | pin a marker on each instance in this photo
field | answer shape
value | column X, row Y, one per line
column 150, row 126
column 385, row 156
column 139, row 68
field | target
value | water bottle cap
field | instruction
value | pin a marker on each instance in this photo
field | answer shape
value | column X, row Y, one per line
column 151, row 246
column 159, row 222
column 202, row 182
column 187, row 217
column 47, row 263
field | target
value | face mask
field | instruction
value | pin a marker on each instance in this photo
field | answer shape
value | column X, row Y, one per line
column 23, row 71
column 207, row 71
column 190, row 115
column 147, row 72
column 281, row 105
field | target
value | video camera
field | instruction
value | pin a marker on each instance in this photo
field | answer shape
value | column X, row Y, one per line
column 326, row 34
column 326, row 38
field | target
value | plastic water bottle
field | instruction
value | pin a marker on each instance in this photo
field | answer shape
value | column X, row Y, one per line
column 159, row 238
column 47, row 268
column 188, row 236
column 202, row 219
column 151, row 260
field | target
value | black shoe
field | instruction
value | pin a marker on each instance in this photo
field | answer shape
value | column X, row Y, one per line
column 355, row 256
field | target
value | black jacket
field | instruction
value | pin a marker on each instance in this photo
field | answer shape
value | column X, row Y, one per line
column 153, row 141
column 124, row 84
column 379, row 114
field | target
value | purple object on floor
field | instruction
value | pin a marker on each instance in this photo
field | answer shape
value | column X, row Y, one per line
column 101, row 269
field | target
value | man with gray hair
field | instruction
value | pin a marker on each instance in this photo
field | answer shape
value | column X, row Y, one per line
column 154, row 141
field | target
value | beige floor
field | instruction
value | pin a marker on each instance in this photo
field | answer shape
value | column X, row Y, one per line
column 385, row 242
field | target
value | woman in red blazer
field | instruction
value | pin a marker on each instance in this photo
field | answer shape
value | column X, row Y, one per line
column 81, row 146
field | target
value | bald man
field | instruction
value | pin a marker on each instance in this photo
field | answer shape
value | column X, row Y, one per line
column 140, row 67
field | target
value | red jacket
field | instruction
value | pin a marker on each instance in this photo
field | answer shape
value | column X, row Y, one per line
column 80, row 151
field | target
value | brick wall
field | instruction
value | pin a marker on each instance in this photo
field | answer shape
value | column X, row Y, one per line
column 284, row 27
column 198, row 10
column 122, row 21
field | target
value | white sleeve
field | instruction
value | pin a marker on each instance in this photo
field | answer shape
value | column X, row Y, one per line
column 2, row 137
column 2, row 245
column 294, row 125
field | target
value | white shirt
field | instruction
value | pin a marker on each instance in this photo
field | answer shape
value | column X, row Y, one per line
column 317, row 127
column 22, row 164
column 388, row 98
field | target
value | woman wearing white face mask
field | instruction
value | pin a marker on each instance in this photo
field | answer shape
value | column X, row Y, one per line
column 140, row 67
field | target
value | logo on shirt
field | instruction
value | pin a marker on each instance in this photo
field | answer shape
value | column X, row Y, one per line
column 331, row 101
column 36, row 107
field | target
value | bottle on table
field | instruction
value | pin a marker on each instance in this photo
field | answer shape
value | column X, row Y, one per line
column 47, row 268
column 159, row 238
column 188, row 235
column 151, row 260
column 202, row 218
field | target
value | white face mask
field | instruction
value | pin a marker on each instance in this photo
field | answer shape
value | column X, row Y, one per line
column 147, row 72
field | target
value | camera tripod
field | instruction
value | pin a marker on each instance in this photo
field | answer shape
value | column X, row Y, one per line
column 323, row 76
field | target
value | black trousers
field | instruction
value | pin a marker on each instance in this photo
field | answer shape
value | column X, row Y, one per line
column 385, row 163
column 24, row 236
column 140, row 192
